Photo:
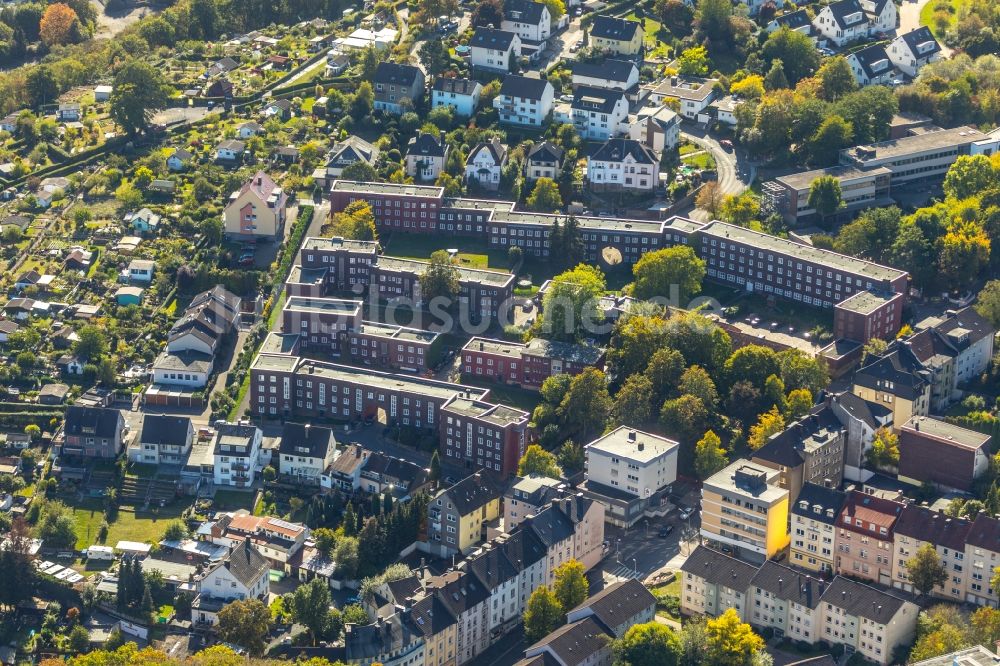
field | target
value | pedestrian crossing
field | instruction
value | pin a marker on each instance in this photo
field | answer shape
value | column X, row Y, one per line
column 626, row 572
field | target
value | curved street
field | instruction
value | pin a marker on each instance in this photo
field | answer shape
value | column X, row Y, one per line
column 735, row 174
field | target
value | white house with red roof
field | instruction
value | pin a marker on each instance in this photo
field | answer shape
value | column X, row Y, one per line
column 256, row 210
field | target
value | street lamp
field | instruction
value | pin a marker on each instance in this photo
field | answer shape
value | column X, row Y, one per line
column 635, row 568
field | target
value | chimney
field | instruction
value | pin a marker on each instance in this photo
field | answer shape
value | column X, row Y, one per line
column 631, row 435
column 641, row 446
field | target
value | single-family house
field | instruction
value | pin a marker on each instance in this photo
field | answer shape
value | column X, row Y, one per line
column 797, row 21
column 484, row 164
column 52, row 394
column 256, row 210
column 27, row 279
column 397, row 86
column 249, row 129
column 597, row 113
column 426, row 155
column 69, row 112
column 882, row 15
column 656, row 127
column 243, row 574
column 92, row 432
column 494, row 50
column 617, row 36
column 279, row 108
column 184, row 369
column 344, row 153
column 462, row 95
column 141, row 270
column 524, row 101
column 305, row 451
column 179, row 160
column 693, row 95
column 842, row 22
column 611, row 74
column 219, row 88
column 912, row 50
column 143, row 221
column 544, row 161
column 9, row 122
column 623, row 164
column 336, row 63
column 230, row 151
column 871, row 66
column 724, row 110
column 163, row 440
column 7, row 329
column 70, row 364
column 530, row 20
column 285, row 155
column 220, row 67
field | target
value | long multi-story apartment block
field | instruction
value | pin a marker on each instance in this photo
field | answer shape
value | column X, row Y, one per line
column 526, row 365
column 797, row 605
column 477, row 434
column 347, row 262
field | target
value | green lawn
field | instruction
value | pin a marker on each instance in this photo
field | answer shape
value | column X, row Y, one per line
column 508, row 395
column 143, row 527
column 931, row 8
column 700, row 161
column 471, row 253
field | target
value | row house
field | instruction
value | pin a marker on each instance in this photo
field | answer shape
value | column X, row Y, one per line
column 526, row 496
column 896, row 380
column 864, row 541
column 526, row 365
column 919, row 525
column 457, row 516
column 813, row 528
column 796, row 605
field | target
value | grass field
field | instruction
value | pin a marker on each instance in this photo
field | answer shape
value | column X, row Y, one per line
column 508, row 395
column 471, row 253
column 128, row 525
column 699, row 161
column 931, row 8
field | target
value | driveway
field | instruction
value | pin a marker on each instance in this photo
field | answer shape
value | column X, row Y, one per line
column 909, row 19
column 735, row 172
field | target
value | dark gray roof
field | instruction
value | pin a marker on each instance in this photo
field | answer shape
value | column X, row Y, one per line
column 488, row 38
column 96, row 421
column 789, row 584
column 786, row 447
column 428, row 145
column 459, row 590
column 792, row 20
column 496, row 149
column 609, row 27
column 523, row 86
column 523, row 548
column 473, row 492
column 619, row 602
column 523, row 11
column 616, row 150
column 719, row 569
column 492, row 567
column 897, row 365
column 922, row 35
column 863, row 410
column 821, row 498
column 863, row 600
column 873, row 60
column 457, row 86
column 550, row 524
column 303, row 439
column 545, row 152
column 612, row 70
column 430, row 616
column 844, row 8
column 985, row 533
column 601, row 100
column 163, row 429
column 246, row 564
column 575, row 643
column 390, row 72
column 924, row 524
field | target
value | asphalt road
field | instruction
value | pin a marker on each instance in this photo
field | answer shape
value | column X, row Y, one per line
column 735, row 173
column 909, row 19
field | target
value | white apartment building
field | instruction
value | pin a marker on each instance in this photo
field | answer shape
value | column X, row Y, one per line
column 632, row 461
column 237, row 454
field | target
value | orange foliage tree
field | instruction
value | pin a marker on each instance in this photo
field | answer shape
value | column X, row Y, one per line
column 56, row 26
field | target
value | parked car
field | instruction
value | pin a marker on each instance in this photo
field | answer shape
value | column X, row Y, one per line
column 665, row 531
column 726, row 144
column 686, row 512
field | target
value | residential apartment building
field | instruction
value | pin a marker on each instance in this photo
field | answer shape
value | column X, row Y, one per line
column 860, row 189
column 810, row 450
column 242, row 574
column 532, row 21
column 494, row 50
column 524, row 101
column 163, row 440
column 630, row 473
column 257, row 210
column 597, row 113
column 867, row 315
column 617, row 36
column 814, row 526
column 743, row 508
column 896, row 380
column 397, row 87
column 236, row 454
column 347, row 262
column 528, row 364
column 982, row 557
column 426, row 155
column 957, row 347
column 462, row 95
column 918, row 526
column 92, row 432
column 864, row 540
column 657, row 128
column 527, row 495
column 623, row 165
column 457, row 516
column 948, row 456
column 692, row 94
column 480, row 435
column 795, row 605
column 305, row 452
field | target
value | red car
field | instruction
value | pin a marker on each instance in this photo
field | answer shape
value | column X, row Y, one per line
column 726, row 144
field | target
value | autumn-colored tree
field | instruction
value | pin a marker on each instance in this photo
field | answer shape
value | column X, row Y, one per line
column 58, row 24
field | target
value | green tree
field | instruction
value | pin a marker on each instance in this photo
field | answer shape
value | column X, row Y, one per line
column 545, row 198
column 776, row 79
column 363, row 99
column 572, row 456
column 770, row 423
column 537, row 460
column 649, row 644
column 176, row 531
column 632, row 339
column 434, row 55
column 664, row 273
column 79, row 639
column 885, row 449
column 965, row 250
column 871, row 235
column 752, row 363
column 697, row 382
column 836, row 78
column 325, row 539
column 246, row 623
column 988, row 305
column 694, row 61
column 740, row 209
column 799, row 57
column 42, row 85
column 440, row 279
column 730, row 641
column 571, row 302
column 969, row 176
column 926, row 570
column 715, row 21
column 914, row 253
column 684, row 418
column 709, row 456
column 587, row 404
column 55, row 525
column 543, row 615
column 311, row 607
column 632, row 406
column 799, row 403
column 570, row 585
column 825, row 196
column 664, row 371
column 356, row 222
column 698, row 340
column 435, row 468
column 557, row 8
column 833, row 134
column 139, row 91
column 360, row 171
